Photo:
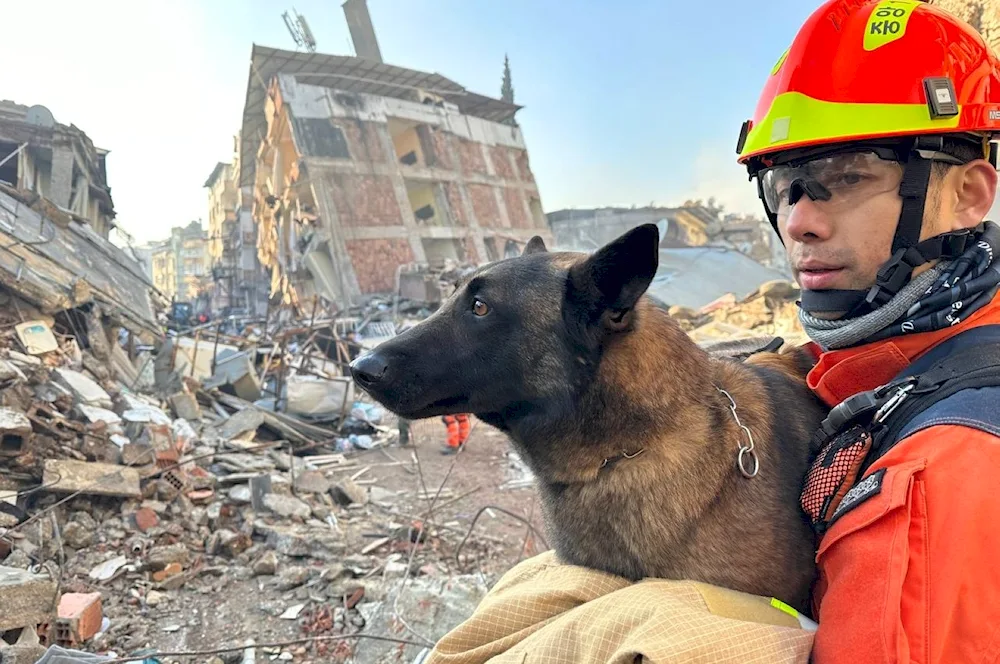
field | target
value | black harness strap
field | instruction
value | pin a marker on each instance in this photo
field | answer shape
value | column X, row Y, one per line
column 886, row 410
column 972, row 368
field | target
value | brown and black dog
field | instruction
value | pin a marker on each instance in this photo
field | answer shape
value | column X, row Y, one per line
column 625, row 421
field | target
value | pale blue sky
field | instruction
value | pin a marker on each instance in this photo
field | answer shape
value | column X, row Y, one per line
column 625, row 102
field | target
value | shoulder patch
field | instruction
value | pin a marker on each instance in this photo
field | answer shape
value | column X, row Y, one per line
column 859, row 493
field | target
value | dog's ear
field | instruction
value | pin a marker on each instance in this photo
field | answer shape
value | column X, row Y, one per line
column 610, row 282
column 536, row 245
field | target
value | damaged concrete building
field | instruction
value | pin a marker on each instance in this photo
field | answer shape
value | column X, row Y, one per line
column 363, row 172
column 232, row 249
column 56, row 162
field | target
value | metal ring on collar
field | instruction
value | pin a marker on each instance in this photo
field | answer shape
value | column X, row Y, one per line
column 742, row 462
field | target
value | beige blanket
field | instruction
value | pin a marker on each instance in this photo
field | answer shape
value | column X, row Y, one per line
column 544, row 611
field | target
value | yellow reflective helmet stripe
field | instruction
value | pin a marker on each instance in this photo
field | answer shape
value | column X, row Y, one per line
column 795, row 119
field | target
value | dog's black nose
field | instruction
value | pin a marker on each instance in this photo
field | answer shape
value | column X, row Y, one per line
column 368, row 369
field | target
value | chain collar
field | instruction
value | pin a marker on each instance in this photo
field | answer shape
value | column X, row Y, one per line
column 746, row 459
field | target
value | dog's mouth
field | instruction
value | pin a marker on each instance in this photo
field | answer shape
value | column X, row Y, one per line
column 409, row 405
column 448, row 406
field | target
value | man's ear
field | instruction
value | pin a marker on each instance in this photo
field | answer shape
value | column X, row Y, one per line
column 975, row 188
column 536, row 245
column 608, row 284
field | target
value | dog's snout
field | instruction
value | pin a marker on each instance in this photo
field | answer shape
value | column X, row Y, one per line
column 368, row 369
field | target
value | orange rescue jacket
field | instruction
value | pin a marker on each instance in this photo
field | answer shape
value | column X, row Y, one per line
column 912, row 574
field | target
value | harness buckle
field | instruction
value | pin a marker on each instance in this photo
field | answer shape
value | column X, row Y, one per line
column 893, row 402
column 879, row 403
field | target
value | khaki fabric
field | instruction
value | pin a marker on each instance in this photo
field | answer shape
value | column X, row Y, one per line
column 546, row 612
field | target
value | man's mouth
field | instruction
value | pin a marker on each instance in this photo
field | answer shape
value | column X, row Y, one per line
column 815, row 276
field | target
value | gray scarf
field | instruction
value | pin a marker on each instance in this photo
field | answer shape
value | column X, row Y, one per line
column 843, row 333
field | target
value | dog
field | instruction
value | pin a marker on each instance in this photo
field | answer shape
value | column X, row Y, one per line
column 653, row 458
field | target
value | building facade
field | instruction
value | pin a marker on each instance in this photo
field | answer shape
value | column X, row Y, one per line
column 238, row 282
column 181, row 264
column 163, row 259
column 360, row 171
column 350, row 188
column 57, row 162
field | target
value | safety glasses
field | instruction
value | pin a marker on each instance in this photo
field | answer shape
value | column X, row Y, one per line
column 835, row 182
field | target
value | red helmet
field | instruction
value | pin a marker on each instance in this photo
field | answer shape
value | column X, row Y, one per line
column 895, row 76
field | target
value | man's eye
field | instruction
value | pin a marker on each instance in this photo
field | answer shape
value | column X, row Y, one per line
column 847, row 179
column 480, row 308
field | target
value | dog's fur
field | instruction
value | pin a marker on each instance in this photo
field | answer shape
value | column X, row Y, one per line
column 578, row 369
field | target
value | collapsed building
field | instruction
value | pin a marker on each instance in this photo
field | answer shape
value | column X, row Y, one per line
column 365, row 174
column 56, row 162
column 57, row 265
column 694, row 224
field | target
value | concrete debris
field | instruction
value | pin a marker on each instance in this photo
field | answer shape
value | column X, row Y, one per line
column 346, row 492
column 27, row 599
column 769, row 310
column 217, row 478
column 98, row 479
column 266, row 565
column 85, row 390
column 287, row 506
column 242, row 423
column 185, row 406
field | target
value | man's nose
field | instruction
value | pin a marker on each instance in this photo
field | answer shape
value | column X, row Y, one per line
column 368, row 369
column 806, row 222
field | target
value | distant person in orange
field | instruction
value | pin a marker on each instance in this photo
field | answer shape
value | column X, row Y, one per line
column 458, row 432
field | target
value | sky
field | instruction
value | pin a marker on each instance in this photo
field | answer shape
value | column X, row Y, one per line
column 625, row 102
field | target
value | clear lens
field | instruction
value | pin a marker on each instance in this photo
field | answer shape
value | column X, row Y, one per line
column 850, row 177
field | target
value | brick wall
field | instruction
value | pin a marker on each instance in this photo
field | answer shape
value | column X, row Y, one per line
column 521, row 158
column 537, row 222
column 441, row 154
column 362, row 140
column 454, row 197
column 375, row 262
column 484, row 205
column 516, row 211
column 502, row 165
column 471, row 156
column 365, row 200
column 471, row 255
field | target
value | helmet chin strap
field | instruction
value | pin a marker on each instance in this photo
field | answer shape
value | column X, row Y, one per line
column 908, row 252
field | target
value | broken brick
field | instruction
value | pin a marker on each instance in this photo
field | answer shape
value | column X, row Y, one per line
column 200, row 496
column 167, row 458
column 15, row 432
column 79, row 619
column 170, row 570
column 160, row 436
column 145, row 518
column 46, row 419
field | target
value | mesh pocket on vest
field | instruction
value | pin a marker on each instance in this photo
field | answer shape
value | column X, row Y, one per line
column 833, row 473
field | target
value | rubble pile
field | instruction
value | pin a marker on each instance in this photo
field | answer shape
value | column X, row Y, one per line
column 132, row 497
column 770, row 310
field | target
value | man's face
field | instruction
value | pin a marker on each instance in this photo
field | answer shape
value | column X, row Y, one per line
column 841, row 242
column 842, row 238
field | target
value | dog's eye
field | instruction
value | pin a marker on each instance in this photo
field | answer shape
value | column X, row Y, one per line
column 480, row 308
